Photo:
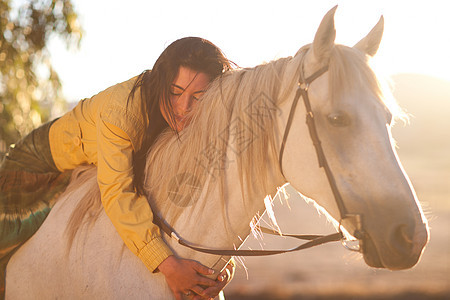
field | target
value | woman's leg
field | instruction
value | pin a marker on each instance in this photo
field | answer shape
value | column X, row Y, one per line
column 29, row 186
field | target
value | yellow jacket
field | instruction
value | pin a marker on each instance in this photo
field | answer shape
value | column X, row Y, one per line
column 104, row 131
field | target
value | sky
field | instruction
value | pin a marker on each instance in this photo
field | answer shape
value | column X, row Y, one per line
column 123, row 38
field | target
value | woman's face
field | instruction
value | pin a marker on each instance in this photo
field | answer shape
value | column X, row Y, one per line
column 187, row 87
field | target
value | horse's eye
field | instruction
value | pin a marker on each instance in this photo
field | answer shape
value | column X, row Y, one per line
column 339, row 119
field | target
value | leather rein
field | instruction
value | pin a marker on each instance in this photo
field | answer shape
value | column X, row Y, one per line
column 313, row 240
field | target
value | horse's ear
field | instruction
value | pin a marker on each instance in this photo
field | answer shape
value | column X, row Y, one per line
column 371, row 42
column 325, row 36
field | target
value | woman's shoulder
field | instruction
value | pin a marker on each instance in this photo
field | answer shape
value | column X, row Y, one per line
column 117, row 97
column 119, row 92
column 123, row 111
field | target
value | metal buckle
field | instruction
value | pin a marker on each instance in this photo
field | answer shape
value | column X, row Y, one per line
column 304, row 86
column 351, row 247
column 349, row 244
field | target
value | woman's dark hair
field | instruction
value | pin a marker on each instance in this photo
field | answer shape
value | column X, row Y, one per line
column 195, row 53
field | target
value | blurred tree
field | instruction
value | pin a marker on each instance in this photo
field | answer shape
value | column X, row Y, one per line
column 29, row 86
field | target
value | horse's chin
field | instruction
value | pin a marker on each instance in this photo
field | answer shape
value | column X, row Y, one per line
column 370, row 253
column 384, row 259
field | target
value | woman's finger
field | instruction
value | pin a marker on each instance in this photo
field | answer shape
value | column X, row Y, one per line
column 201, row 269
column 206, row 281
column 197, row 297
column 198, row 290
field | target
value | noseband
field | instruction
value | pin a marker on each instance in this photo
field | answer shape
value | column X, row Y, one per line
column 313, row 240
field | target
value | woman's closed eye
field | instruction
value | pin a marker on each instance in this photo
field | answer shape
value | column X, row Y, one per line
column 198, row 96
column 176, row 90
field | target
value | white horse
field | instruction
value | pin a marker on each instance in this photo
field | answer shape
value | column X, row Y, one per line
column 211, row 181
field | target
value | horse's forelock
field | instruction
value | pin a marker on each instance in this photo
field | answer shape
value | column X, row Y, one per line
column 350, row 70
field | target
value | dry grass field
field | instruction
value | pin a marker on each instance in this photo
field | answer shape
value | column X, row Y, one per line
column 331, row 272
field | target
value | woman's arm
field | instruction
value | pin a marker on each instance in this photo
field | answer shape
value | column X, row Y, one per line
column 130, row 214
column 132, row 217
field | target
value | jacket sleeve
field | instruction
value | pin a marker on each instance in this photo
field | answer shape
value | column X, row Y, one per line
column 130, row 214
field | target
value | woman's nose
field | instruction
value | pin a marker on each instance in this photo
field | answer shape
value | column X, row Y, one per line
column 184, row 103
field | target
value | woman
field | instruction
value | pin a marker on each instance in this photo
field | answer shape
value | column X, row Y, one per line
column 114, row 130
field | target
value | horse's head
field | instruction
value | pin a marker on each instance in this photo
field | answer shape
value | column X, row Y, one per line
column 353, row 122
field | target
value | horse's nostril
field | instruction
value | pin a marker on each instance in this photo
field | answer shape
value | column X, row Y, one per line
column 402, row 239
column 407, row 233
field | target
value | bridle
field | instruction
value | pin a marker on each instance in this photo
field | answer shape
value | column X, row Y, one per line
column 313, row 240
column 302, row 91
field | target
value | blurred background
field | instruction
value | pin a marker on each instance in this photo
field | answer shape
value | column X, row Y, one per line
column 55, row 52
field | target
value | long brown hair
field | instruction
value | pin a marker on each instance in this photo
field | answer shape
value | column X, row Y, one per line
column 192, row 52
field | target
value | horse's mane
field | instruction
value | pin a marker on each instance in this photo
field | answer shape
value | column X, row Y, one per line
column 233, row 115
column 231, row 110
column 237, row 113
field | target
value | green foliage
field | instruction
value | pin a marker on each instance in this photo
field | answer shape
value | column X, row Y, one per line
column 29, row 86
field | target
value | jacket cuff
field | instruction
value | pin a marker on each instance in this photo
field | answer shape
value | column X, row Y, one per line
column 154, row 253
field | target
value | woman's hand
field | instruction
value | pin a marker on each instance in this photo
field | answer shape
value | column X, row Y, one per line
column 186, row 277
column 222, row 280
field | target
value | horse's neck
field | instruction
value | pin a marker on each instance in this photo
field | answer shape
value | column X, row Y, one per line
column 220, row 217
column 213, row 221
column 217, row 219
